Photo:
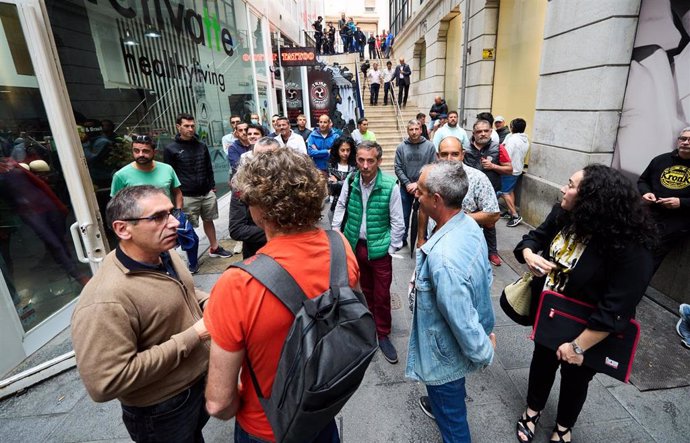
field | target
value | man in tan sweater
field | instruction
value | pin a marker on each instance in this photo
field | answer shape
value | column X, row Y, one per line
column 137, row 329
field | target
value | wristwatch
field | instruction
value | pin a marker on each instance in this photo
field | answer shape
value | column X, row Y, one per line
column 578, row 350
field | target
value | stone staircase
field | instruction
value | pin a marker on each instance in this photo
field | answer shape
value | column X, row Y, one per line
column 390, row 129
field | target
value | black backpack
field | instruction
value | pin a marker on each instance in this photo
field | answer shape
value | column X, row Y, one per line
column 326, row 352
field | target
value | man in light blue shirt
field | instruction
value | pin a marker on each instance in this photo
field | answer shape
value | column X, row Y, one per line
column 453, row 317
column 451, row 128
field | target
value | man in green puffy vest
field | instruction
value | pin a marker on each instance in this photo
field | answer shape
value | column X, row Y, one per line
column 371, row 218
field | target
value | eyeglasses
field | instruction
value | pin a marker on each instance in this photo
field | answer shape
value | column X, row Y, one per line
column 684, row 139
column 142, row 139
column 158, row 218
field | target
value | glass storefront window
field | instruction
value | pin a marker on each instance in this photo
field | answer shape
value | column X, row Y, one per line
column 37, row 258
column 139, row 64
column 258, row 43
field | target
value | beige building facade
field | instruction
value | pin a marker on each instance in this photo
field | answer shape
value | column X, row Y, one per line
column 567, row 69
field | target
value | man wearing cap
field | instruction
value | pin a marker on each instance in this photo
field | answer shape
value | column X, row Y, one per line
column 440, row 123
column 451, row 128
column 501, row 128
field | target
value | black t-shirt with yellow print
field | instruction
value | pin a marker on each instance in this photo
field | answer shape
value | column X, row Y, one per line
column 668, row 175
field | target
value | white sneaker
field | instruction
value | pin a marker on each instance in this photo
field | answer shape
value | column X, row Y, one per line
column 238, row 248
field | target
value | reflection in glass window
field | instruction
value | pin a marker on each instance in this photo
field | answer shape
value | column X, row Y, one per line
column 258, row 43
column 37, row 258
column 140, row 68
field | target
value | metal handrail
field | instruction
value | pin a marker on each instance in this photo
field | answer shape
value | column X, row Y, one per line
column 399, row 122
column 358, row 96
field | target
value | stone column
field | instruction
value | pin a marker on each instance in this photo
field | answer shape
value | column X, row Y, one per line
column 585, row 61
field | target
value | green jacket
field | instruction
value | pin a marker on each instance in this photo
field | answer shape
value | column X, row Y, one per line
column 378, row 215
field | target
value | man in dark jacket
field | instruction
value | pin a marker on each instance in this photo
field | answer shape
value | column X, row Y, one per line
column 191, row 161
column 343, row 31
column 439, row 107
column 361, row 40
column 238, row 147
column 402, row 78
column 318, row 33
column 372, row 46
column 493, row 160
column 241, row 225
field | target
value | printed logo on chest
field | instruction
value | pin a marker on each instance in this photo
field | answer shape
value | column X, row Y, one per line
column 676, row 177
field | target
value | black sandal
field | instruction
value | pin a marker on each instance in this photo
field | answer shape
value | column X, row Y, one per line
column 561, row 434
column 523, row 428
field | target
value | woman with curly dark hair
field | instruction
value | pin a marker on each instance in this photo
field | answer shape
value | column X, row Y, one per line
column 341, row 163
column 595, row 246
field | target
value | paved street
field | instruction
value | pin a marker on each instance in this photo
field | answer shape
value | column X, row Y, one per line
column 385, row 407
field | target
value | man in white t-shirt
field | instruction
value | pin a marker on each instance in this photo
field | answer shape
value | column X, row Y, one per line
column 517, row 145
column 286, row 137
column 387, row 85
column 375, row 76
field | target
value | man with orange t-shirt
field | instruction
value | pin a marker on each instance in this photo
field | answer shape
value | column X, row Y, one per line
column 243, row 317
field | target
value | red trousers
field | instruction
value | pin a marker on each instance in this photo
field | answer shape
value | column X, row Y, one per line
column 375, row 278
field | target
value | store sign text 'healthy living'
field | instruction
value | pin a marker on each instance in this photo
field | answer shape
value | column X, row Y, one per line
column 203, row 30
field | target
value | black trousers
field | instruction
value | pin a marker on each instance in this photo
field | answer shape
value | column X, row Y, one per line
column 574, row 384
column 372, row 52
column 374, row 92
column 177, row 419
column 670, row 235
column 403, row 89
column 387, row 90
column 319, row 42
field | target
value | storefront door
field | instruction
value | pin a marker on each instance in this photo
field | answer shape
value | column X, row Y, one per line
column 51, row 237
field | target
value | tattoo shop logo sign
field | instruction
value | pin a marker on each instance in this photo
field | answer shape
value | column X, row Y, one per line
column 319, row 95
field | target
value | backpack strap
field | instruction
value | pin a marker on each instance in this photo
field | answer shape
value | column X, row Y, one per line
column 339, row 273
column 281, row 284
column 276, row 279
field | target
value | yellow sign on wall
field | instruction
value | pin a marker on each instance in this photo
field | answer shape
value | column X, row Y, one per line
column 488, row 53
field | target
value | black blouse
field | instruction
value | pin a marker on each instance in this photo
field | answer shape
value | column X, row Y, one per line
column 614, row 281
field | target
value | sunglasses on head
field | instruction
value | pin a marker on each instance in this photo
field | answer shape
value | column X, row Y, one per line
column 142, row 139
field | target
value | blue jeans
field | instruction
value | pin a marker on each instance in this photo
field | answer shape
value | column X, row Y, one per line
column 448, row 405
column 177, row 419
column 328, row 435
column 407, row 200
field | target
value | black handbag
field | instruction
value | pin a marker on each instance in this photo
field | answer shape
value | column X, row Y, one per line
column 561, row 319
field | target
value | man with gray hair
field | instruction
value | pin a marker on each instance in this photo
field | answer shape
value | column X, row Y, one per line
column 374, row 230
column 137, row 329
column 665, row 187
column 410, row 156
column 453, row 301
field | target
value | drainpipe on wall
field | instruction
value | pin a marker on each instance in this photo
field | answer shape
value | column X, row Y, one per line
column 466, row 50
